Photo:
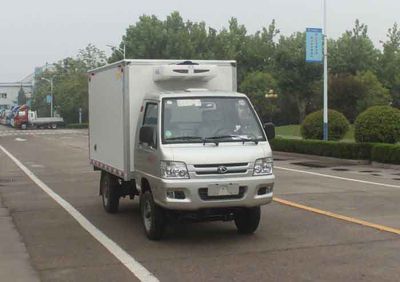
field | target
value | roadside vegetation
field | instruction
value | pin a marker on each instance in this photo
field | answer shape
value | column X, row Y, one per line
column 375, row 136
column 361, row 75
column 292, row 131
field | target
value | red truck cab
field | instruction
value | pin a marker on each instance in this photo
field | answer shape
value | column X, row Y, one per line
column 21, row 118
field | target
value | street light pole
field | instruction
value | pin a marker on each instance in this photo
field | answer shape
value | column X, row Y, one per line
column 51, row 93
column 121, row 51
column 325, row 75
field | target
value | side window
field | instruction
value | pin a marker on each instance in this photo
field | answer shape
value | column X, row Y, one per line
column 151, row 115
column 151, row 119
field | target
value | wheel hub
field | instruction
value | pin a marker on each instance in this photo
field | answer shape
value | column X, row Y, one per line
column 147, row 215
column 105, row 192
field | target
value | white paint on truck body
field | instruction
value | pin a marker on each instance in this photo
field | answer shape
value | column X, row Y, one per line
column 116, row 95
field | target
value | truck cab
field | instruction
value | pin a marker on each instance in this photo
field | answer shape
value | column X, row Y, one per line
column 194, row 154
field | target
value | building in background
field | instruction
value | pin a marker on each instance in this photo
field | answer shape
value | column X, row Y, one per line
column 9, row 92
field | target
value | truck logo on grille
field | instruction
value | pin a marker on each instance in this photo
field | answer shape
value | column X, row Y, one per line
column 222, row 169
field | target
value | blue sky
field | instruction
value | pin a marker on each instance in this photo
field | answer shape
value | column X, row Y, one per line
column 35, row 32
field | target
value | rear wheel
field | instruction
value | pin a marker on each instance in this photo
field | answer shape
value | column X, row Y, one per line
column 54, row 126
column 109, row 192
column 247, row 220
column 153, row 216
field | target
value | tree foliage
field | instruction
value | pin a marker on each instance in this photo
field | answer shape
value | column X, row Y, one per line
column 352, row 94
column 390, row 64
column 312, row 126
column 256, row 85
column 298, row 80
column 21, row 96
column 360, row 74
column 378, row 124
column 70, row 84
column 353, row 52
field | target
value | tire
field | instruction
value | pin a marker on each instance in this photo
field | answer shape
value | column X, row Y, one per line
column 54, row 126
column 247, row 220
column 109, row 192
column 153, row 217
column 24, row 126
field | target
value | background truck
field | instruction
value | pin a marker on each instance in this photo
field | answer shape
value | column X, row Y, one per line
column 177, row 134
column 25, row 118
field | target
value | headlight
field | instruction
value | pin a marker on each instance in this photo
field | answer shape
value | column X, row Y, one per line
column 175, row 170
column 263, row 166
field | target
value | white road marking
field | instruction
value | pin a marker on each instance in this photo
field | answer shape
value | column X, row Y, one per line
column 338, row 177
column 20, row 139
column 133, row 265
column 40, row 132
column 37, row 165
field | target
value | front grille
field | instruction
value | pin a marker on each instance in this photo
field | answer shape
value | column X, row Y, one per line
column 203, row 193
column 210, row 169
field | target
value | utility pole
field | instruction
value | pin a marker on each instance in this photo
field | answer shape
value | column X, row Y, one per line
column 51, row 93
column 51, row 101
column 122, row 50
column 326, row 126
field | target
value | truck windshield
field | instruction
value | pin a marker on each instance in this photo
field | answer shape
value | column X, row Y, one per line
column 209, row 119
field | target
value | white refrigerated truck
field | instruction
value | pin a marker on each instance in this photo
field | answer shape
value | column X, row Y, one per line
column 178, row 135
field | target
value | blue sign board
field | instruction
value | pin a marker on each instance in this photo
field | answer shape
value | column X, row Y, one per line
column 314, row 45
column 48, row 99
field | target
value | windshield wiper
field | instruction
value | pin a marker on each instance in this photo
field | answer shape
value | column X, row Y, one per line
column 183, row 138
column 252, row 139
column 241, row 138
column 213, row 139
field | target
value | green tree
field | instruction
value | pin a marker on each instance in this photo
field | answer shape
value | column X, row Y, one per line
column 21, row 96
column 352, row 94
column 344, row 92
column 92, row 57
column 70, row 84
column 255, row 85
column 375, row 95
column 390, row 64
column 353, row 52
column 299, row 82
column 174, row 38
column 259, row 50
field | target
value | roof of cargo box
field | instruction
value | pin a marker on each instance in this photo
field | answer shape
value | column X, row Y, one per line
column 163, row 62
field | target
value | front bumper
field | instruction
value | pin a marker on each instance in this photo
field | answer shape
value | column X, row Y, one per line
column 195, row 200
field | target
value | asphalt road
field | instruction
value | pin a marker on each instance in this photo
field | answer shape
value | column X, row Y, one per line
column 291, row 244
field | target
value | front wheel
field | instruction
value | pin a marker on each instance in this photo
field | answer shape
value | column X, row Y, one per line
column 247, row 220
column 153, row 216
column 109, row 192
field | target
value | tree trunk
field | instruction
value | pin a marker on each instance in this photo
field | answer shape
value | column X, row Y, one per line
column 301, row 107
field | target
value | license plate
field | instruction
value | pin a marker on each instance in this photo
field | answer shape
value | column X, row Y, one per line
column 223, row 190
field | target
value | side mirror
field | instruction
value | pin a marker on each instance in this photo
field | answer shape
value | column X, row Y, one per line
column 146, row 135
column 269, row 129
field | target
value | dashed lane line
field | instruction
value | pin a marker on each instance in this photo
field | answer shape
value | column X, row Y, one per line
column 127, row 260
